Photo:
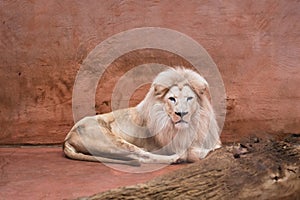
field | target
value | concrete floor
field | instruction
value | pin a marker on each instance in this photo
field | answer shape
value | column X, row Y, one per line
column 44, row 173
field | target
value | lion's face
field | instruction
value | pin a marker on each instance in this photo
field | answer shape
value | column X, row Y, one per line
column 180, row 105
column 178, row 113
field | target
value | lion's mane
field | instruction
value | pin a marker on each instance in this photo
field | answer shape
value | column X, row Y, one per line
column 203, row 131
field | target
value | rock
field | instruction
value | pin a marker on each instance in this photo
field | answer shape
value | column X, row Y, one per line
column 264, row 173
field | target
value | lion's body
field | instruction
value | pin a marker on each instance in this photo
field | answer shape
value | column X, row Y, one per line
column 175, row 122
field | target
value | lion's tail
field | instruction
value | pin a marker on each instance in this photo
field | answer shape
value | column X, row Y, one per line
column 70, row 152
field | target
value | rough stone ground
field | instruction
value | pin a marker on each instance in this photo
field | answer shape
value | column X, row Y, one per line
column 253, row 169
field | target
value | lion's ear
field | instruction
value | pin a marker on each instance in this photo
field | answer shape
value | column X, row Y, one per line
column 160, row 91
column 203, row 91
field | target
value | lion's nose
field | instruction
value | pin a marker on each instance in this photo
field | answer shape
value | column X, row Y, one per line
column 181, row 114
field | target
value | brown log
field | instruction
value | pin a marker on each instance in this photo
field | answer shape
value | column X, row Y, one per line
column 261, row 169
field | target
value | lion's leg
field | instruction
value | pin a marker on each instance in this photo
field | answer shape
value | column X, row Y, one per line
column 71, row 152
column 143, row 156
column 120, row 152
column 90, row 139
column 196, row 153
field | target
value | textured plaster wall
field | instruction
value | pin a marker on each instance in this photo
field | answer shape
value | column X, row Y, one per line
column 255, row 44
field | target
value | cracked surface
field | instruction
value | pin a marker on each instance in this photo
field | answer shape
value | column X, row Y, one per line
column 269, row 169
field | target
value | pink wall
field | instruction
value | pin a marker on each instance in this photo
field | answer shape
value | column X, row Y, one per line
column 255, row 44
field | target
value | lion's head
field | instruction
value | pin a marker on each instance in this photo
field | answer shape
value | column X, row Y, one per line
column 178, row 111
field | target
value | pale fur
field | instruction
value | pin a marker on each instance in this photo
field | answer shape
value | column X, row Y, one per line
column 203, row 131
column 154, row 135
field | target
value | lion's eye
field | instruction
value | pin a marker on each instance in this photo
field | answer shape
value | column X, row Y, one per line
column 172, row 99
column 189, row 98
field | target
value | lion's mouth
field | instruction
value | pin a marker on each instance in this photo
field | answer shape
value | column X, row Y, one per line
column 181, row 121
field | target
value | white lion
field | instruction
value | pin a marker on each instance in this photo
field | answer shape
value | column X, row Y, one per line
column 174, row 123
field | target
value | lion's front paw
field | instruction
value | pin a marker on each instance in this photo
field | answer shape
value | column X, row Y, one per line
column 178, row 161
